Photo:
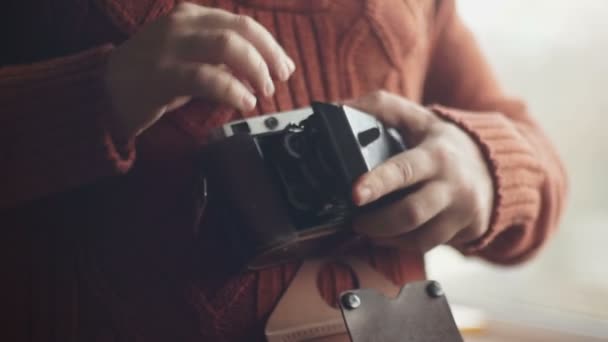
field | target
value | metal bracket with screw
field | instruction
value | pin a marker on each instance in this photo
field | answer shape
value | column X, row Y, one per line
column 351, row 301
column 420, row 312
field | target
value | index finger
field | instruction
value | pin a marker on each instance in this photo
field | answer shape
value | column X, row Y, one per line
column 281, row 65
column 399, row 172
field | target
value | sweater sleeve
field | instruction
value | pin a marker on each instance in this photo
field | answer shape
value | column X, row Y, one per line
column 54, row 133
column 529, row 179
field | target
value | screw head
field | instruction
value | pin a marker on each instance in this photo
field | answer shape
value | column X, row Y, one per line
column 434, row 290
column 351, row 301
column 271, row 122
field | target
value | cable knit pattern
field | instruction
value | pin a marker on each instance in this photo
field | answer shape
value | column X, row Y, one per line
column 101, row 246
column 517, row 173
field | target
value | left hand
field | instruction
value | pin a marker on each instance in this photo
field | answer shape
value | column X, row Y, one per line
column 454, row 200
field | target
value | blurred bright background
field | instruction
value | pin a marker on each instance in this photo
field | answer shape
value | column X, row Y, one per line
column 553, row 54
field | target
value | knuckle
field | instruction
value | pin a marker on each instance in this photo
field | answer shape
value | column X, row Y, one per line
column 225, row 40
column 446, row 154
column 244, row 23
column 402, row 171
column 182, row 7
column 199, row 77
column 379, row 96
column 225, row 85
column 414, row 214
column 180, row 11
column 465, row 191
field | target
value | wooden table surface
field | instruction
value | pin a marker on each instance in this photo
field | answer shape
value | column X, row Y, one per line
column 503, row 332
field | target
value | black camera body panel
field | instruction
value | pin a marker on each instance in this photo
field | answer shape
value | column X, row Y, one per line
column 283, row 181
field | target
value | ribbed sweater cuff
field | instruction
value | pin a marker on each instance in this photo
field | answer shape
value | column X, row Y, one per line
column 116, row 155
column 57, row 119
column 120, row 151
column 515, row 172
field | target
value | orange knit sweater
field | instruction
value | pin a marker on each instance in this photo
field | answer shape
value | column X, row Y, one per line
column 99, row 242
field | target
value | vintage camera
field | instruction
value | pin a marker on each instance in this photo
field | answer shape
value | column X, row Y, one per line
column 284, row 180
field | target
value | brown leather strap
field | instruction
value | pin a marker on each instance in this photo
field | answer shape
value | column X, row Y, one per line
column 302, row 315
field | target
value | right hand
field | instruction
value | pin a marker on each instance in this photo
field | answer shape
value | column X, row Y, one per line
column 194, row 51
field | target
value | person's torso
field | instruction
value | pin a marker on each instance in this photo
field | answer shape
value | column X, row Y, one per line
column 118, row 260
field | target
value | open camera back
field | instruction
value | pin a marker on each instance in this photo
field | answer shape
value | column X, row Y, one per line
column 284, row 180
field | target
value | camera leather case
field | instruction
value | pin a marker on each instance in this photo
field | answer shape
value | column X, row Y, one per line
column 283, row 181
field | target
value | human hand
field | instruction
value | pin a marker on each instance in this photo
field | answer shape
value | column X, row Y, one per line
column 454, row 200
column 194, row 51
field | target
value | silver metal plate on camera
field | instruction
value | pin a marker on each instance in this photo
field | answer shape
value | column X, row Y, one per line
column 262, row 124
column 373, row 153
column 379, row 149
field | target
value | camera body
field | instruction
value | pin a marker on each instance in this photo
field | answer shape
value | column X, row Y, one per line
column 284, row 180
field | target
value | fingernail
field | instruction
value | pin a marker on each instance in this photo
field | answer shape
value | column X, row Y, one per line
column 290, row 65
column 249, row 102
column 365, row 195
column 284, row 72
column 269, row 88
